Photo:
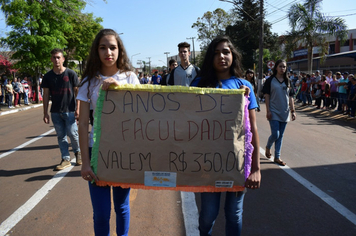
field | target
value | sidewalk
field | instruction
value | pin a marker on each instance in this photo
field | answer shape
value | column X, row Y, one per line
column 5, row 110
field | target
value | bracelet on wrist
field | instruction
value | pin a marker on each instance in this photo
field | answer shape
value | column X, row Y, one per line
column 292, row 110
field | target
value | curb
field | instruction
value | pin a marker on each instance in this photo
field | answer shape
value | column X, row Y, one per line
column 19, row 109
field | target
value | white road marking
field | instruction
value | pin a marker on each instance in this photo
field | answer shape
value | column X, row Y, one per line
column 22, row 211
column 318, row 192
column 25, row 144
column 190, row 213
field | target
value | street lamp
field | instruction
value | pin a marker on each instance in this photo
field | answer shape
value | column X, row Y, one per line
column 167, row 58
column 133, row 56
column 149, row 64
column 192, row 38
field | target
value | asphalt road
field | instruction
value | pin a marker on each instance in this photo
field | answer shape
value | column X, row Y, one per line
column 314, row 195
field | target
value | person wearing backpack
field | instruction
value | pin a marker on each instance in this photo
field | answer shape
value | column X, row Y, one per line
column 185, row 72
column 172, row 65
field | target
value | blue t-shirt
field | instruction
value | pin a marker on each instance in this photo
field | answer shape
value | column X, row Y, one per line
column 234, row 83
column 156, row 79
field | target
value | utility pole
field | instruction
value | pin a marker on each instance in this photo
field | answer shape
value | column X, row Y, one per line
column 167, row 59
column 192, row 38
column 133, row 56
column 260, row 61
column 149, row 64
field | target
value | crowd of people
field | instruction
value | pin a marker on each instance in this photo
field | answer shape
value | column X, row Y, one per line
column 16, row 92
column 156, row 78
column 334, row 92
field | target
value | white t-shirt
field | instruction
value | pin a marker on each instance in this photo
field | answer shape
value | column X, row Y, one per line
column 329, row 79
column 92, row 97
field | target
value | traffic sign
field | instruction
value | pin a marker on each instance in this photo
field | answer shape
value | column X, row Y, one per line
column 270, row 64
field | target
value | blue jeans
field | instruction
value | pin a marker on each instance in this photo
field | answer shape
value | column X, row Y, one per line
column 277, row 132
column 101, row 202
column 304, row 97
column 9, row 99
column 342, row 100
column 25, row 98
column 309, row 98
column 65, row 124
column 210, row 204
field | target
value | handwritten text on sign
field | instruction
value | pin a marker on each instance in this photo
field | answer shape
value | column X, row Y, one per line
column 169, row 138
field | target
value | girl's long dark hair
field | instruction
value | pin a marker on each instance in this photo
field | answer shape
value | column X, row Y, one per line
column 253, row 79
column 93, row 65
column 207, row 73
column 285, row 76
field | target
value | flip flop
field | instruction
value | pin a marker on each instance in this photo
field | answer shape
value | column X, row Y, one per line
column 279, row 162
column 268, row 153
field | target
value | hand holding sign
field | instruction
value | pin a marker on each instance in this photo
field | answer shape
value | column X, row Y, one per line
column 170, row 137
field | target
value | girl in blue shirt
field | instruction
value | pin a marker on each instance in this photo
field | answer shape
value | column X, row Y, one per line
column 221, row 69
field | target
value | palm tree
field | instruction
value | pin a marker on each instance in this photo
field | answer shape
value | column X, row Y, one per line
column 311, row 27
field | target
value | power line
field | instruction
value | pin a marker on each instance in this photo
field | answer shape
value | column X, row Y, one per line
column 276, row 7
column 344, row 15
column 341, row 11
column 281, row 7
column 279, row 19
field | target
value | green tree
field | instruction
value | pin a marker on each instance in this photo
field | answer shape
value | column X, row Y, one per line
column 39, row 26
column 210, row 25
column 35, row 30
column 310, row 27
column 245, row 32
column 79, row 40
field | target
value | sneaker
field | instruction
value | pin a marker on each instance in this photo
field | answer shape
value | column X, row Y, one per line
column 78, row 157
column 64, row 164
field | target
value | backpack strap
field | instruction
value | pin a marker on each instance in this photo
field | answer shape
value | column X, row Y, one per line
column 171, row 77
column 197, row 71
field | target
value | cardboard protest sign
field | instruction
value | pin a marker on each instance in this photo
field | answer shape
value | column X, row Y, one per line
column 177, row 138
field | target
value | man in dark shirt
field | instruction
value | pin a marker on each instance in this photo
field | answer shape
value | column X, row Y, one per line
column 61, row 84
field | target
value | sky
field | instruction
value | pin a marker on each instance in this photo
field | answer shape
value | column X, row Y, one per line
column 151, row 28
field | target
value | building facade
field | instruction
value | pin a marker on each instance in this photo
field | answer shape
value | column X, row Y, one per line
column 341, row 57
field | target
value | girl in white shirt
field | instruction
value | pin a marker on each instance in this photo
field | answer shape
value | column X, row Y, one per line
column 107, row 64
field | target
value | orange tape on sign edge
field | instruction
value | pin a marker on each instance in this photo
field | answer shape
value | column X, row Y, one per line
column 178, row 188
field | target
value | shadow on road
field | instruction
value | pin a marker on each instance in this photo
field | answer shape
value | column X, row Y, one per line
column 10, row 173
column 36, row 148
column 325, row 117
